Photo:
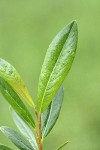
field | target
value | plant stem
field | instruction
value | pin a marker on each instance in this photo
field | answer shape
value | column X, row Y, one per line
column 38, row 132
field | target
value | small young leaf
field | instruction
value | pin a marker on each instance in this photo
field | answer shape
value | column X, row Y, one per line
column 57, row 63
column 14, row 100
column 9, row 74
column 62, row 146
column 16, row 138
column 3, row 147
column 50, row 116
column 24, row 129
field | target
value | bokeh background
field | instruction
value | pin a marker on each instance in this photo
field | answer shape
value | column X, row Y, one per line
column 26, row 29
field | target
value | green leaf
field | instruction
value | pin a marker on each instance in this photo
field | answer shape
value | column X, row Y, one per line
column 50, row 116
column 24, row 129
column 62, row 146
column 3, row 147
column 9, row 74
column 14, row 100
column 57, row 63
column 16, row 138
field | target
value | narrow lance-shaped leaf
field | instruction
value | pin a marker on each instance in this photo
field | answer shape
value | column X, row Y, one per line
column 9, row 74
column 24, row 129
column 57, row 63
column 50, row 116
column 16, row 138
column 3, row 147
column 59, row 148
column 14, row 100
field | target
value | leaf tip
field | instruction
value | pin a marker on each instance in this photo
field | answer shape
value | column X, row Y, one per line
column 2, row 128
column 73, row 24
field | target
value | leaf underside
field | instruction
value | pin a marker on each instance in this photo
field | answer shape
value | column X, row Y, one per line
column 14, row 100
column 57, row 63
column 16, row 138
column 24, row 129
column 50, row 116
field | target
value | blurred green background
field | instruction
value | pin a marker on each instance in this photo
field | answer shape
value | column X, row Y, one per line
column 26, row 29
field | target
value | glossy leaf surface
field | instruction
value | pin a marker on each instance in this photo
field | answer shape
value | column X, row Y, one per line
column 24, row 129
column 9, row 74
column 16, row 138
column 14, row 100
column 57, row 63
column 50, row 116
